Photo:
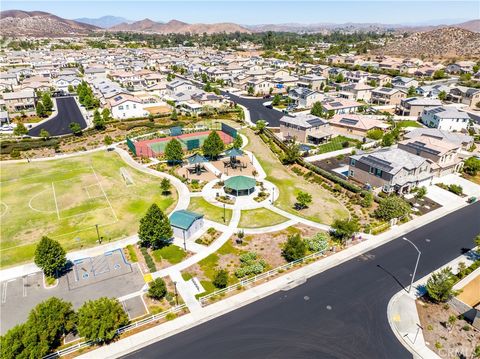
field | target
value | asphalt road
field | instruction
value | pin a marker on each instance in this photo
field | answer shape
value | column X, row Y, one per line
column 340, row 313
column 257, row 110
column 68, row 112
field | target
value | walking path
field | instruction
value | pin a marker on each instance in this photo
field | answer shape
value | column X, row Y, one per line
column 403, row 315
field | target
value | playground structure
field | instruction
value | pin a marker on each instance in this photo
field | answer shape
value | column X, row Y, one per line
column 191, row 140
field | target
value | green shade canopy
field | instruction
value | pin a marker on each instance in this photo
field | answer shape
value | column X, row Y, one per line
column 184, row 219
column 234, row 152
column 240, row 183
column 196, row 159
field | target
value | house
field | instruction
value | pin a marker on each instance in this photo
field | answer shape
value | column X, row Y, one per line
column 404, row 83
column 392, row 170
column 63, row 82
column 432, row 91
column 357, row 125
column 304, row 97
column 259, row 86
column 340, row 105
column 414, row 106
column 19, row 100
column 445, row 118
column 185, row 223
column 176, row 86
column 313, row 82
column 463, row 140
column 357, row 91
column 466, row 95
column 126, row 106
column 304, row 128
column 460, row 67
column 387, row 96
column 443, row 154
column 378, row 80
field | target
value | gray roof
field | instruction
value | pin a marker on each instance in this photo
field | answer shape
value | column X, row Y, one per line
column 303, row 120
column 447, row 112
column 391, row 160
column 421, row 101
column 453, row 137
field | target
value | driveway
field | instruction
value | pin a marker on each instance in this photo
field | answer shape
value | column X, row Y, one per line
column 68, row 112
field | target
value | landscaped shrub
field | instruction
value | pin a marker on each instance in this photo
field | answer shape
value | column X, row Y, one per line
column 250, row 265
column 318, row 242
column 221, row 279
column 157, row 289
column 392, row 207
column 294, row 248
column 456, row 189
column 148, row 259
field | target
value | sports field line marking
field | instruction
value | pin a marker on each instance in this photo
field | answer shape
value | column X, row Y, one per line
column 35, row 196
column 4, row 292
column 88, row 193
column 101, row 187
column 55, row 199
column 4, row 209
column 85, row 213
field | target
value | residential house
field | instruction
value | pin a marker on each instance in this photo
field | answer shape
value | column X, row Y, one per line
column 304, row 97
column 340, row 105
column 259, row 86
column 466, row 95
column 446, row 118
column 404, row 83
column 357, row 125
column 63, row 82
column 304, row 128
column 432, row 91
column 179, row 86
column 463, row 140
column 313, row 82
column 414, row 106
column 387, row 96
column 391, row 169
column 19, row 100
column 378, row 79
column 443, row 154
column 126, row 106
column 357, row 91
column 460, row 67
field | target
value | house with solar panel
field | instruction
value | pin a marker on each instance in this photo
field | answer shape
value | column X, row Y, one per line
column 446, row 118
column 304, row 128
column 358, row 125
column 126, row 106
column 186, row 223
column 387, row 96
column 392, row 170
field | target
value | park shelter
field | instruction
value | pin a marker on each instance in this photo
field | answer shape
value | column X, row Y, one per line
column 196, row 160
column 240, row 185
column 185, row 223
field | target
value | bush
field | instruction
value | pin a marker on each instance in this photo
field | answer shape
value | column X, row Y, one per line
column 392, row 207
column 343, row 229
column 456, row 189
column 148, row 259
column 221, row 279
column 318, row 243
column 250, row 265
column 440, row 285
column 294, row 248
column 421, row 192
column 157, row 289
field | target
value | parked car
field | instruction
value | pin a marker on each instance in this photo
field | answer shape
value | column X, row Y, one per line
column 267, row 96
column 270, row 106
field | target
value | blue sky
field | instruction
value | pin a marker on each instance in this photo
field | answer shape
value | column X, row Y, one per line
column 261, row 12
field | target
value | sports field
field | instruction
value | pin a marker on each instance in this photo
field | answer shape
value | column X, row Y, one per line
column 65, row 199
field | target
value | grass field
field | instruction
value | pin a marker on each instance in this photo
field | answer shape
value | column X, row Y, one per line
column 324, row 208
column 210, row 211
column 65, row 199
column 260, row 217
column 336, row 144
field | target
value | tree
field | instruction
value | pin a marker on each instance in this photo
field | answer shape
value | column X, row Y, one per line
column 392, row 207
column 440, row 285
column 106, row 115
column 155, row 229
column 276, row 100
column 75, row 128
column 375, row 134
column 221, row 279
column 12, row 344
column 71, row 89
column 250, row 90
column 40, row 110
column 99, row 319
column 47, row 102
column 157, row 289
column 44, row 134
column 174, row 115
column 174, row 151
column 471, row 166
column 412, row 91
column 317, row 109
column 98, row 121
column 442, row 95
column 208, row 87
column 319, row 242
column 388, row 140
column 165, row 186
column 213, row 145
column 343, row 229
column 261, row 125
column 237, row 142
column 303, row 200
column 292, row 153
column 50, row 256
column 20, row 130
column 439, row 74
column 294, row 248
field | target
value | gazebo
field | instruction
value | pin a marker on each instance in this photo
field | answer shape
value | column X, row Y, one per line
column 240, row 185
column 196, row 160
column 233, row 153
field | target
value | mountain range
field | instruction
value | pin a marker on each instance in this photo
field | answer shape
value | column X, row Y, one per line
column 104, row 21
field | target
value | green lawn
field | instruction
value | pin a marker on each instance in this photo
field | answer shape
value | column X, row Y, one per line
column 210, row 211
column 66, row 198
column 172, row 254
column 407, row 123
column 336, row 144
column 324, row 208
column 260, row 217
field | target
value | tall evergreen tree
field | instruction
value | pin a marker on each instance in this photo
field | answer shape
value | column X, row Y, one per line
column 213, row 145
column 155, row 229
column 50, row 256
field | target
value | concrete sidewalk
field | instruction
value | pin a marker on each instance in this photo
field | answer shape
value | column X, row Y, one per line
column 403, row 315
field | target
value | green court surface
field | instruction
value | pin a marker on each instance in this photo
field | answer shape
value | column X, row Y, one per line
column 66, row 199
column 159, row 147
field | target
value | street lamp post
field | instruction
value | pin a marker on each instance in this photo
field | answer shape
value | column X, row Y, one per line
column 273, row 194
column 184, row 241
column 176, row 296
column 98, row 235
column 416, row 263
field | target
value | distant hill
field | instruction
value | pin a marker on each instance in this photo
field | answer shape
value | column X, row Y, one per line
column 447, row 42
column 177, row 27
column 104, row 21
column 40, row 24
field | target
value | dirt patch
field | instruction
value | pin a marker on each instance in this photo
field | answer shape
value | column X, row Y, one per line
column 448, row 340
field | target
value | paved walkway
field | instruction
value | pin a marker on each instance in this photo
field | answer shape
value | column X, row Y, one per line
column 403, row 316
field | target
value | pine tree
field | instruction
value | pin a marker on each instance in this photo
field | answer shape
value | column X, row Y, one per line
column 155, row 229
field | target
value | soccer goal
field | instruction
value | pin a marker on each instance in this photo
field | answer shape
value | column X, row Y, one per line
column 126, row 176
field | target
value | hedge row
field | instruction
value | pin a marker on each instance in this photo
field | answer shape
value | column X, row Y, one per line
column 148, row 260
column 6, row 147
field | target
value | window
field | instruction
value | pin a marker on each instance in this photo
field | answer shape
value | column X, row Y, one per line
column 378, row 172
column 134, row 105
column 352, row 162
column 120, row 107
column 372, row 169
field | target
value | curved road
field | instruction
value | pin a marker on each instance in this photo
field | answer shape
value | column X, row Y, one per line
column 67, row 112
column 257, row 110
column 340, row 313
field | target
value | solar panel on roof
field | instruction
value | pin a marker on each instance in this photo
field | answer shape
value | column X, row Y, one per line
column 118, row 98
column 336, row 104
column 315, row 122
column 348, row 121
